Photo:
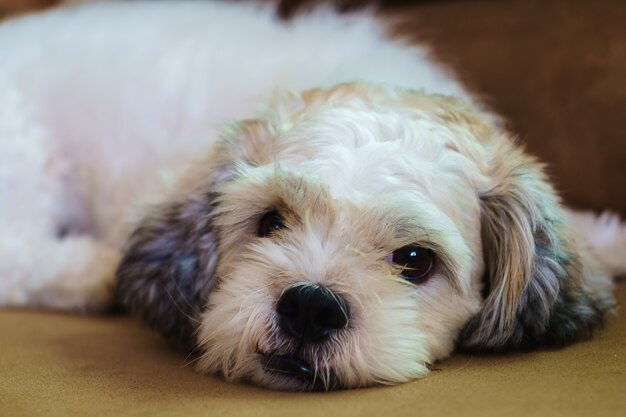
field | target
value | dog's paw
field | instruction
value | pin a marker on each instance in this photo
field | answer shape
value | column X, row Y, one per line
column 605, row 238
column 73, row 274
column 89, row 287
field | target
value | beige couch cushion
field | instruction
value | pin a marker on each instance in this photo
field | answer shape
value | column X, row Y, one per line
column 60, row 365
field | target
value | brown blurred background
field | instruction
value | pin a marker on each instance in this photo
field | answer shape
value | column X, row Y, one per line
column 556, row 70
column 16, row 6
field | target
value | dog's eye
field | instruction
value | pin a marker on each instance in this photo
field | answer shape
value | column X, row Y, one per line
column 417, row 262
column 270, row 223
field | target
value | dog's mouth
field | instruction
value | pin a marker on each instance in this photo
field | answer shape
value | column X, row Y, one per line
column 294, row 367
column 288, row 366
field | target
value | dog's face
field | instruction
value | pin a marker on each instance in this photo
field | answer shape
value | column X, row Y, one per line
column 348, row 219
column 343, row 240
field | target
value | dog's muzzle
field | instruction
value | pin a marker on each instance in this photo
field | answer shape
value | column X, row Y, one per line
column 308, row 314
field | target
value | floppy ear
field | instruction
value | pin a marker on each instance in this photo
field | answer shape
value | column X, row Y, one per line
column 166, row 273
column 534, row 289
column 167, row 270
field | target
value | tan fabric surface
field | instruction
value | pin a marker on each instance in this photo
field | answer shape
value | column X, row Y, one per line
column 55, row 365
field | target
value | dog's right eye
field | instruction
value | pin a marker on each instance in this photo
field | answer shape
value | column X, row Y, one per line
column 270, row 223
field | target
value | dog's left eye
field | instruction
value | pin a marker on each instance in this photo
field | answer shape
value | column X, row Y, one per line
column 417, row 262
column 270, row 223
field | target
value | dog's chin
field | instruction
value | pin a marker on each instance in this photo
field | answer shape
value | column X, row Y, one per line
column 291, row 372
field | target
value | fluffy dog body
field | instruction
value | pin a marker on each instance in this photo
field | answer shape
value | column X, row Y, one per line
column 112, row 123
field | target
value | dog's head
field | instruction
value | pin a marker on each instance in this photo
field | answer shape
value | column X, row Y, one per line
column 352, row 236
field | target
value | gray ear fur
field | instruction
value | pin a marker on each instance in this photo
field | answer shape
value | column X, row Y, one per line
column 534, row 292
column 167, row 270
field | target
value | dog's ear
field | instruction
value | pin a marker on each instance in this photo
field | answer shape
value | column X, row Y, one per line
column 534, row 292
column 166, row 272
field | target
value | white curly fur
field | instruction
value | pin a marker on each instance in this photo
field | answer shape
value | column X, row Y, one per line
column 102, row 105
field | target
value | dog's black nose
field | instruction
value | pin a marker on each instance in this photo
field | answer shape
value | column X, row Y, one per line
column 310, row 312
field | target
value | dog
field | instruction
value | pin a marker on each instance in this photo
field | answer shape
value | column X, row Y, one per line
column 367, row 220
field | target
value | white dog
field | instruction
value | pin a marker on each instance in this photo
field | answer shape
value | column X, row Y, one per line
column 347, row 234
